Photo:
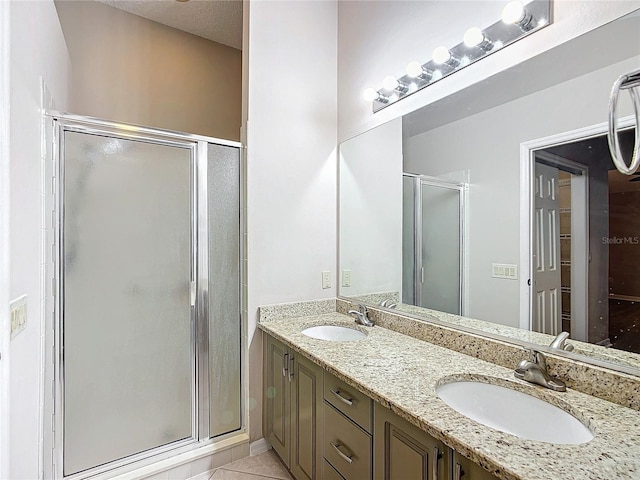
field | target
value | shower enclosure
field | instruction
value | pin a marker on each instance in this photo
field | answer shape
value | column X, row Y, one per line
column 147, row 307
column 433, row 233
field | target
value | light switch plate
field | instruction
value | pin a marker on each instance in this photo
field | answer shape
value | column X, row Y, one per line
column 326, row 279
column 346, row 278
column 18, row 309
column 504, row 270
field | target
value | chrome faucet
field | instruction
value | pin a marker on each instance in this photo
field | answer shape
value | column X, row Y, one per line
column 535, row 371
column 388, row 303
column 361, row 316
column 560, row 342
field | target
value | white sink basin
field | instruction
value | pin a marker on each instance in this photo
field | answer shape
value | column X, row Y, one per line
column 334, row 333
column 514, row 412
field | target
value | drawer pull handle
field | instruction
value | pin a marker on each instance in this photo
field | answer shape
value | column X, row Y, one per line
column 436, row 461
column 346, row 458
column 291, row 359
column 348, row 401
column 285, row 362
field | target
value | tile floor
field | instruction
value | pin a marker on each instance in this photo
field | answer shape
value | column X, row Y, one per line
column 261, row 467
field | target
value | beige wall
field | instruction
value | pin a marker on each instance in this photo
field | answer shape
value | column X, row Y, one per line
column 129, row 69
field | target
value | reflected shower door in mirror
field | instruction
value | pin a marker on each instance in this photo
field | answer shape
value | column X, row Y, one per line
column 525, row 278
column 148, row 255
column 432, row 243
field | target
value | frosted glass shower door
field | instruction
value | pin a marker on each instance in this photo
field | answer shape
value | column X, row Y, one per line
column 223, row 204
column 128, row 362
column 441, row 234
column 409, row 239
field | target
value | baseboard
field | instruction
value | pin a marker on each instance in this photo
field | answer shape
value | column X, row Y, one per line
column 259, row 446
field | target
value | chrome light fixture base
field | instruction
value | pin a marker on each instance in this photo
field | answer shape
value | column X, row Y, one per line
column 538, row 14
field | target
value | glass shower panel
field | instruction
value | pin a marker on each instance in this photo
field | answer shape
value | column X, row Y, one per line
column 223, row 199
column 441, row 248
column 408, row 240
column 128, row 363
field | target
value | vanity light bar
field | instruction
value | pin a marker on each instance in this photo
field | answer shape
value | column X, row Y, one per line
column 517, row 21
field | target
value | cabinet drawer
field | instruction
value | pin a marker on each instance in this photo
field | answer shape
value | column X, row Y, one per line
column 346, row 447
column 355, row 405
column 329, row 473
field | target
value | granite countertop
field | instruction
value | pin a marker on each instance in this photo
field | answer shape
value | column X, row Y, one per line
column 402, row 373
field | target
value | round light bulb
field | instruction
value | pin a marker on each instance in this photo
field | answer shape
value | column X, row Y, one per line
column 390, row 83
column 414, row 69
column 441, row 55
column 370, row 94
column 513, row 12
column 473, row 37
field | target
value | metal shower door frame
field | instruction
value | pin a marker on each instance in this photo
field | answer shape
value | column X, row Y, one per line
column 199, row 324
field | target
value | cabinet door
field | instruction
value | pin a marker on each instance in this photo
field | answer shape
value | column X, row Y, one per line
column 306, row 404
column 277, row 390
column 330, row 473
column 403, row 451
column 465, row 469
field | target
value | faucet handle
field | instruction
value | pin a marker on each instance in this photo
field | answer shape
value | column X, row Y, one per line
column 560, row 342
column 539, row 359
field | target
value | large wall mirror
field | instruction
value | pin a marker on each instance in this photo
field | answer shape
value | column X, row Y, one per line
column 498, row 208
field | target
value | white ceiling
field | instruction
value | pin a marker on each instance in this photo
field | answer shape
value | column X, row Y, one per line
column 216, row 20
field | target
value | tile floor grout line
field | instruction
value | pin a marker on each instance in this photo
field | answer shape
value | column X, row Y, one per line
column 257, row 475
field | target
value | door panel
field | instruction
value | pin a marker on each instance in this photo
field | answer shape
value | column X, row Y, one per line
column 547, row 275
column 306, row 402
column 223, row 202
column 126, row 310
column 404, row 451
column 277, row 394
column 440, row 248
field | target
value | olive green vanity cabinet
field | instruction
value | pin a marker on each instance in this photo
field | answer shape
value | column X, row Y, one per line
column 322, row 428
column 293, row 409
column 403, row 451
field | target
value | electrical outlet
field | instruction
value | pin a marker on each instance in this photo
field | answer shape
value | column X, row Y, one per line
column 326, row 279
column 18, row 309
column 346, row 278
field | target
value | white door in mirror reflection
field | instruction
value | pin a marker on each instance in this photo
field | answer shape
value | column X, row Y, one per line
column 560, row 210
column 547, row 301
column 432, row 243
